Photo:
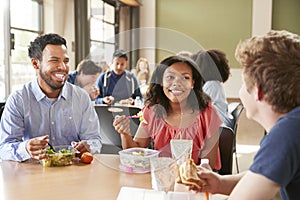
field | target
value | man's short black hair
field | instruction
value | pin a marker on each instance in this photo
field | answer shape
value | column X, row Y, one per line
column 35, row 50
column 120, row 54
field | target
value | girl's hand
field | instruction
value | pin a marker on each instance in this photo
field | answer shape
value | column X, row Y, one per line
column 122, row 124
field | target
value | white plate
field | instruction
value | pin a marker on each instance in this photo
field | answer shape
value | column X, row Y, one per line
column 113, row 110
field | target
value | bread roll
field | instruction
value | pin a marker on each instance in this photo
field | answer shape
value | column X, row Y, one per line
column 187, row 175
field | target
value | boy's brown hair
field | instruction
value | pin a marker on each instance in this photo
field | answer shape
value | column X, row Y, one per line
column 272, row 63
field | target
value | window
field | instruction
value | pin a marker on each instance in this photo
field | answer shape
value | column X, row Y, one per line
column 3, row 8
column 24, row 28
column 102, row 24
column 17, row 30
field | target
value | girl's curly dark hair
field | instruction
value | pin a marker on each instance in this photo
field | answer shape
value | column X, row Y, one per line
column 155, row 95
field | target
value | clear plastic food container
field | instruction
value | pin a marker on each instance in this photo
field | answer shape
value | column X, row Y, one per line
column 63, row 156
column 137, row 159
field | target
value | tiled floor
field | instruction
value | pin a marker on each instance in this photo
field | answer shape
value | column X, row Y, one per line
column 249, row 134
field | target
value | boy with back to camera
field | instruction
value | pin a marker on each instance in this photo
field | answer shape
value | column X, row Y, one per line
column 270, row 94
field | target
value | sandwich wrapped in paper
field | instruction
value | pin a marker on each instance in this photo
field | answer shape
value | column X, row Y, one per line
column 187, row 175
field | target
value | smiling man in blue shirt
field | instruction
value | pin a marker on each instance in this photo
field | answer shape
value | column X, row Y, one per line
column 48, row 109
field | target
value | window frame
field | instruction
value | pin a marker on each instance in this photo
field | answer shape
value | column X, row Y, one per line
column 9, row 41
column 106, row 55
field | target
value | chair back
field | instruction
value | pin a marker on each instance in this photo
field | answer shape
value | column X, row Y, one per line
column 106, row 115
column 1, row 110
column 226, row 142
column 235, row 109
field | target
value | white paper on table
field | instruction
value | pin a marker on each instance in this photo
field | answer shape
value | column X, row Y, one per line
column 185, row 196
column 132, row 193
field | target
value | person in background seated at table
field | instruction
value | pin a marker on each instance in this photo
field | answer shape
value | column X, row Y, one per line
column 270, row 94
column 48, row 109
column 142, row 71
column 85, row 76
column 118, row 84
column 176, row 108
column 215, row 71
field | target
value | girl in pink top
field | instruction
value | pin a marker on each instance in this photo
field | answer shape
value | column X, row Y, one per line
column 175, row 108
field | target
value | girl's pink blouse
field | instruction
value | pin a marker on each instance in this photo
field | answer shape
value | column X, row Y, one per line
column 205, row 126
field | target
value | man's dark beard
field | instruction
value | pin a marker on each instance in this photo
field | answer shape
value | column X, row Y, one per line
column 49, row 82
